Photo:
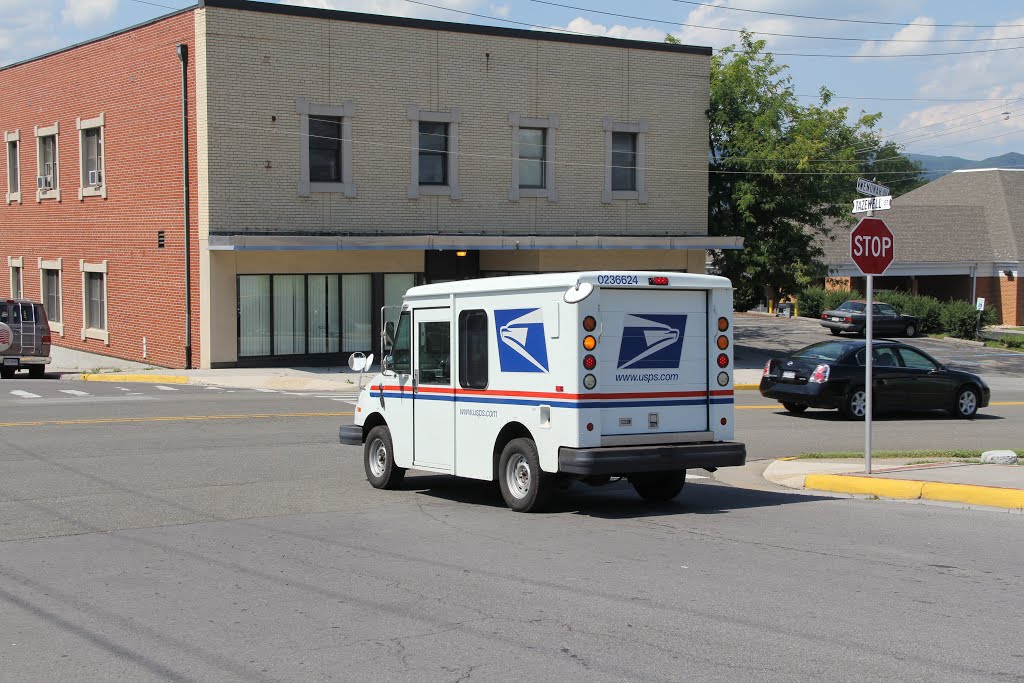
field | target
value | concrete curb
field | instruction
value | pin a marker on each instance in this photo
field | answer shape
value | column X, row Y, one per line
column 958, row 340
column 129, row 377
column 908, row 489
column 275, row 383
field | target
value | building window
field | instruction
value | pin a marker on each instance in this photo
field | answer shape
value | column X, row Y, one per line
column 13, row 140
column 625, row 159
column 435, row 153
column 48, row 153
column 533, row 144
column 94, row 301
column 17, row 287
column 50, row 287
column 93, row 180
column 473, row 349
column 325, row 150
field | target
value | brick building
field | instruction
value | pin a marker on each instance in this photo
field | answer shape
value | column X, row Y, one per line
column 958, row 237
column 335, row 160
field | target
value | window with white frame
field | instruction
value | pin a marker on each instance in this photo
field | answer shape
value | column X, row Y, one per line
column 93, row 180
column 16, row 264
column 533, row 149
column 13, row 140
column 94, row 301
column 435, row 153
column 625, row 161
column 50, row 287
column 48, row 154
column 325, row 148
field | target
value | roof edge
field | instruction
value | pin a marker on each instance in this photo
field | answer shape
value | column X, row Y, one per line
column 454, row 27
column 979, row 170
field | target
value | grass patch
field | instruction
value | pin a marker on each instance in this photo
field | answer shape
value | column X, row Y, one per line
column 936, row 456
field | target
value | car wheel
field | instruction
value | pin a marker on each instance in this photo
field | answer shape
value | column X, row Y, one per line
column 910, row 330
column 6, row 373
column 835, row 332
column 36, row 371
column 658, row 487
column 855, row 404
column 794, row 407
column 523, row 485
column 379, row 460
column 966, row 405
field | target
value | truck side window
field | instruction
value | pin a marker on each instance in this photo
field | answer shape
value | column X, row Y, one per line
column 473, row 349
column 433, row 360
column 400, row 352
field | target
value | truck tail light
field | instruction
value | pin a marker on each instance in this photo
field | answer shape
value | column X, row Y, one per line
column 723, row 342
column 767, row 369
column 723, row 324
column 723, row 360
column 820, row 374
column 660, row 280
column 590, row 323
column 589, row 342
column 45, row 339
column 589, row 362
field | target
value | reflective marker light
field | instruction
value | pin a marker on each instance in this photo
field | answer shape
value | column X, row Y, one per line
column 723, row 342
column 589, row 381
column 590, row 426
column 724, row 421
column 590, row 323
column 660, row 280
column 589, row 362
column 589, row 343
column 723, row 324
column 723, row 360
column 723, row 379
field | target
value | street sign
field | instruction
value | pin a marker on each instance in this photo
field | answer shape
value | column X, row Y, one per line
column 871, row 188
column 872, row 246
column 872, row 204
column 980, row 303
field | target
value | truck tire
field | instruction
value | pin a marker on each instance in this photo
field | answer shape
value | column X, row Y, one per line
column 379, row 460
column 6, row 373
column 658, row 487
column 524, row 486
column 36, row 371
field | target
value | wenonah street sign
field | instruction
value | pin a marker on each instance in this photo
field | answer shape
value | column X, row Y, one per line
column 871, row 189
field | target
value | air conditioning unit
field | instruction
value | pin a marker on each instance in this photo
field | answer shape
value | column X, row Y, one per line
column 44, row 182
column 94, row 177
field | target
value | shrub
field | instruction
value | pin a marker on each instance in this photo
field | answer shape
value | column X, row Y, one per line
column 835, row 297
column 1012, row 342
column 811, row 302
column 960, row 319
column 927, row 309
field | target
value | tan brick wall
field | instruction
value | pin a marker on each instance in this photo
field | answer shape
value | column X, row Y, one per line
column 258, row 64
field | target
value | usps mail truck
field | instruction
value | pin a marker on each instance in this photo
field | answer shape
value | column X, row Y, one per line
column 537, row 380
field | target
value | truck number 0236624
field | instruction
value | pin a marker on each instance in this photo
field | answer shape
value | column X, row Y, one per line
column 618, row 280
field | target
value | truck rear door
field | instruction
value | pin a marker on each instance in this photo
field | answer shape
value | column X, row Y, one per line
column 653, row 362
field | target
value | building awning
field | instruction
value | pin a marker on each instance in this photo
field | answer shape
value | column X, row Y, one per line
column 236, row 242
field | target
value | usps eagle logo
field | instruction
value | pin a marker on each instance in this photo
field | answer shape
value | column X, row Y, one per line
column 522, row 346
column 651, row 340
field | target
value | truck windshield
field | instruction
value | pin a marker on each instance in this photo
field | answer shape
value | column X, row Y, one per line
column 403, row 343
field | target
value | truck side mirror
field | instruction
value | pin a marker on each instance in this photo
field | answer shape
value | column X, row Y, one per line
column 387, row 364
column 389, row 334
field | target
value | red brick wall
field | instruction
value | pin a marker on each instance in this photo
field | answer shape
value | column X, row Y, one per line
column 134, row 79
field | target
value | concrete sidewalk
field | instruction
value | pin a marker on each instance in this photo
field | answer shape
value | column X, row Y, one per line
column 1000, row 486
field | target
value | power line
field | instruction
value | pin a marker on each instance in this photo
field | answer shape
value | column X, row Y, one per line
column 845, row 21
column 915, row 99
column 674, row 22
column 155, row 4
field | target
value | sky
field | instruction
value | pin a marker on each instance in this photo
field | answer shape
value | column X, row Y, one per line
column 966, row 101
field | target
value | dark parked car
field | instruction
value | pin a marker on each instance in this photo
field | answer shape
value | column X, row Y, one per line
column 849, row 317
column 831, row 375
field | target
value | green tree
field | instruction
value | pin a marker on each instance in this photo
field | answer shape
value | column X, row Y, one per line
column 782, row 174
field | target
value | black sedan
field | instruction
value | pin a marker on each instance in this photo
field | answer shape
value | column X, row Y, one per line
column 850, row 317
column 831, row 375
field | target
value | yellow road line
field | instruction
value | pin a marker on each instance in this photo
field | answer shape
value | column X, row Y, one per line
column 169, row 418
column 774, row 407
column 129, row 377
column 1006, row 403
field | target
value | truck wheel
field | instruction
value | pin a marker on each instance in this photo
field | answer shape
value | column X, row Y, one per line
column 658, row 487
column 524, row 486
column 6, row 373
column 795, row 408
column 854, row 406
column 379, row 460
column 36, row 371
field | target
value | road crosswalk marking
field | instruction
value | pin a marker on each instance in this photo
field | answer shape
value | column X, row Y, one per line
column 74, row 392
column 161, row 387
column 25, row 394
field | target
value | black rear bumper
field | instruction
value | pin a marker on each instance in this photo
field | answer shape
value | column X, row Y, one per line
column 620, row 460
column 351, row 435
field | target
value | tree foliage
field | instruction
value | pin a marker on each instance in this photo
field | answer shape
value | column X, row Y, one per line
column 783, row 174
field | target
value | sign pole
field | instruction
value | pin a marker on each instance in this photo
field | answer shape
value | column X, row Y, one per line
column 869, row 329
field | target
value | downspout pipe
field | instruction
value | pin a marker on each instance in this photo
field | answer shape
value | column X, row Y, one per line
column 183, row 58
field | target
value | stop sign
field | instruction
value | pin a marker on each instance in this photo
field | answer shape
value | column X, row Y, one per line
column 872, row 246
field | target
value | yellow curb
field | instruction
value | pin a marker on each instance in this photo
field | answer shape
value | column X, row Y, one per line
column 124, row 377
column 745, row 387
column 886, row 488
column 991, row 496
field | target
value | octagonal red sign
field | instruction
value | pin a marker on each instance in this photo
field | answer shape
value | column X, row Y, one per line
column 872, row 246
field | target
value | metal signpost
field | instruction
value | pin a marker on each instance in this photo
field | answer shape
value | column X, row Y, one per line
column 871, row 247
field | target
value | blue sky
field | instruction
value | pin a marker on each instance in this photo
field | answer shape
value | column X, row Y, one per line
column 969, row 104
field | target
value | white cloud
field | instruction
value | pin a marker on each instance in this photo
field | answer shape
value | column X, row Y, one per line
column 923, row 29
column 26, row 29
column 582, row 25
column 398, row 8
column 500, row 10
column 86, row 12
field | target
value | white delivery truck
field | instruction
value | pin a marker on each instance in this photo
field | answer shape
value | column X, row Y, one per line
column 534, row 380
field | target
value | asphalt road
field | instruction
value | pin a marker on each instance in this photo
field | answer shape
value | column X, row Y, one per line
column 191, row 534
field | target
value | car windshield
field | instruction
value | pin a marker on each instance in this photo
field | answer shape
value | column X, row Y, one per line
column 830, row 350
column 853, row 306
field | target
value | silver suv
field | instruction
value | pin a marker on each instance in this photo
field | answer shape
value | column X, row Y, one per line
column 24, row 338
